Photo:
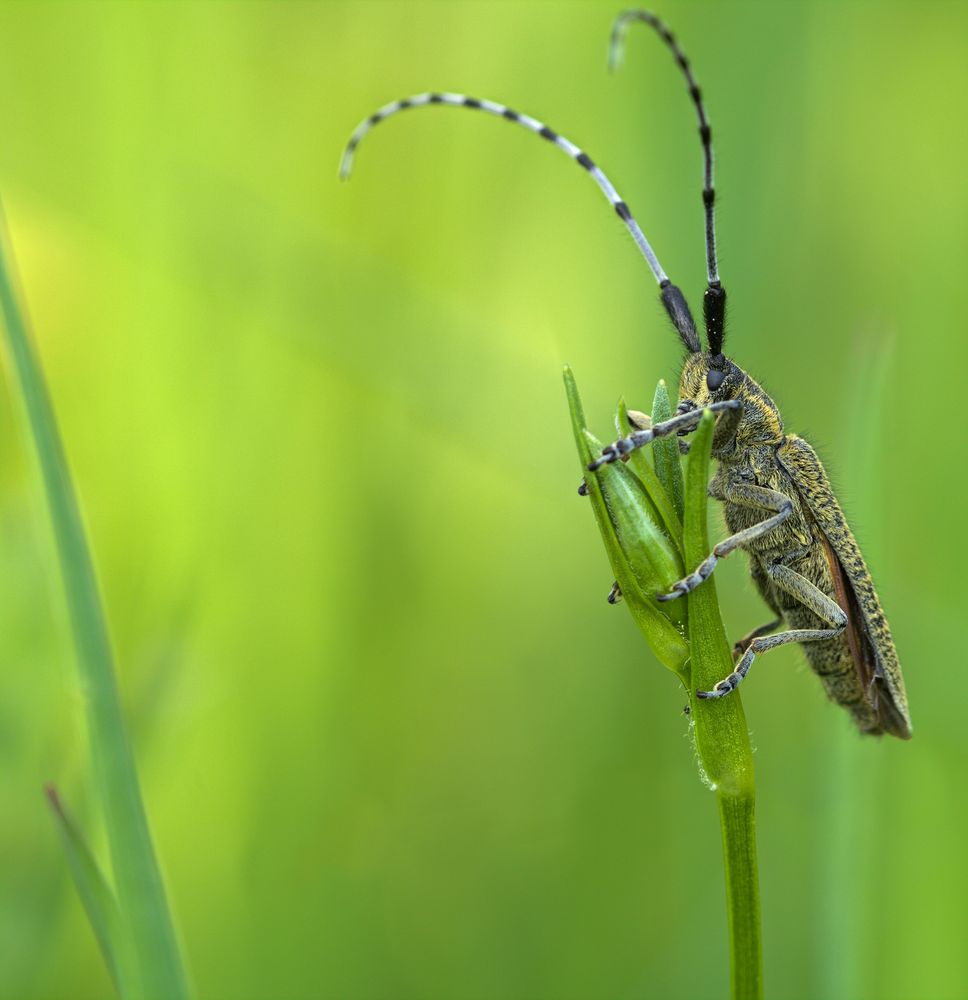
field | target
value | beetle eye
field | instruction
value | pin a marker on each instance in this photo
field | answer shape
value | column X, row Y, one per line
column 715, row 379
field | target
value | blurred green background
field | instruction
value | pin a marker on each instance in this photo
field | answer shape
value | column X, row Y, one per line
column 394, row 743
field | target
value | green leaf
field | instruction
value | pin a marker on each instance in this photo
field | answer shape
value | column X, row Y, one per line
column 92, row 887
column 641, row 555
column 665, row 451
column 641, row 536
column 146, row 924
column 639, row 462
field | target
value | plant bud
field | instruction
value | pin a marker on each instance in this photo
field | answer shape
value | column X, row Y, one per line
column 645, row 557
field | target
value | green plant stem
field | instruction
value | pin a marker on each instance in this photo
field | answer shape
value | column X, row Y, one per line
column 149, row 965
column 629, row 509
column 722, row 739
column 736, row 816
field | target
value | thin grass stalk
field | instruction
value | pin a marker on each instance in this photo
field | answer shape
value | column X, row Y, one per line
column 149, row 963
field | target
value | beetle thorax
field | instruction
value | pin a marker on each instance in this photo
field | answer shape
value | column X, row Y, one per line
column 712, row 378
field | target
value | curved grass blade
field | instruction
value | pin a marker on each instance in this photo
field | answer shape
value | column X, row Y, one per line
column 146, row 925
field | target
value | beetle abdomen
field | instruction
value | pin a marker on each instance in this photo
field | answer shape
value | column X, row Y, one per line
column 832, row 660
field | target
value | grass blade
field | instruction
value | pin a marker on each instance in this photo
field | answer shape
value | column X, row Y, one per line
column 92, row 887
column 146, row 926
column 654, row 486
column 665, row 451
column 855, row 791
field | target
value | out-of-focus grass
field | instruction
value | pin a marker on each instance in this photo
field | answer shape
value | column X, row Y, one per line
column 92, row 887
column 856, row 791
column 140, row 943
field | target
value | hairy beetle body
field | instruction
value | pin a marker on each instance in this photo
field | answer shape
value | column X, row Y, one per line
column 858, row 667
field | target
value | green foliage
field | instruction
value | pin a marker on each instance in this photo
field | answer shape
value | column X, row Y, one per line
column 92, row 887
column 666, row 450
column 632, row 529
column 722, row 737
column 644, row 559
column 656, row 488
column 145, row 960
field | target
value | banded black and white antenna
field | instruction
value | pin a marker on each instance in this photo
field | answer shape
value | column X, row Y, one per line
column 714, row 299
column 672, row 297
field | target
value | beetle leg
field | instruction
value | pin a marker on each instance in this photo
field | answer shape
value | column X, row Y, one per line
column 741, row 645
column 641, row 422
column 749, row 496
column 685, row 422
column 615, row 594
column 807, row 594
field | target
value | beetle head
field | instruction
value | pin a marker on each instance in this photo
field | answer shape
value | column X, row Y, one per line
column 709, row 378
column 712, row 378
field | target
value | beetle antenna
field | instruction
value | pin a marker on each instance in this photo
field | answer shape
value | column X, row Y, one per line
column 714, row 299
column 672, row 297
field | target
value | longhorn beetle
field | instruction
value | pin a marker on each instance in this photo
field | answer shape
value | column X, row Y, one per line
column 776, row 497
